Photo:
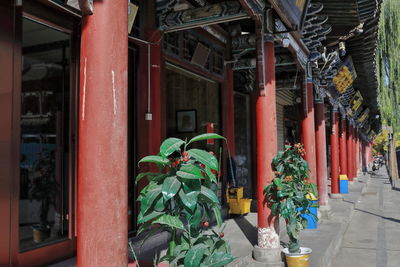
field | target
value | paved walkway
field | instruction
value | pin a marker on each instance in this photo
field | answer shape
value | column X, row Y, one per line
column 360, row 230
column 373, row 235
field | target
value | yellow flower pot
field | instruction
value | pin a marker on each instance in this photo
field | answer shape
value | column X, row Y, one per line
column 297, row 259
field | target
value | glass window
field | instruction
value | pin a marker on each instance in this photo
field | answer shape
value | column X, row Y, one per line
column 44, row 149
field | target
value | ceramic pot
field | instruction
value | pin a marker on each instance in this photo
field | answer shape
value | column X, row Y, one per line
column 300, row 259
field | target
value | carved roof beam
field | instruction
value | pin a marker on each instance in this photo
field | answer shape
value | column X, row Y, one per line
column 243, row 42
column 202, row 16
column 254, row 8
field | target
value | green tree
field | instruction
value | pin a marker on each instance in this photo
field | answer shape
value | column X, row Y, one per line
column 388, row 64
column 381, row 142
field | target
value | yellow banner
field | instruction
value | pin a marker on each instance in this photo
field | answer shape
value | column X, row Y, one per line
column 343, row 80
column 356, row 102
column 363, row 116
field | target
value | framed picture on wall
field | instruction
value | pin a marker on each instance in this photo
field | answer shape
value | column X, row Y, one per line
column 186, row 121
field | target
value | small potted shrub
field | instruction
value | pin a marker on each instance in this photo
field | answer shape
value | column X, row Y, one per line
column 290, row 196
column 44, row 189
column 180, row 199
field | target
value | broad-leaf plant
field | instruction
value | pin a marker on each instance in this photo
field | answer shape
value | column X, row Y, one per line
column 180, row 199
column 290, row 193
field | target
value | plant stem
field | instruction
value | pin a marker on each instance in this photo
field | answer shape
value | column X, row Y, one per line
column 172, row 243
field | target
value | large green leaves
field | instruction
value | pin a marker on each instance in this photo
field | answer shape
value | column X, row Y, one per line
column 155, row 159
column 209, row 195
column 151, row 176
column 205, row 137
column 189, row 172
column 194, row 219
column 189, row 200
column 211, row 175
column 170, row 145
column 172, row 221
column 180, row 198
column 217, row 259
column 313, row 189
column 170, row 187
column 287, row 193
column 204, row 157
column 218, row 216
column 149, row 198
column 195, row 255
column 191, row 185
column 152, row 215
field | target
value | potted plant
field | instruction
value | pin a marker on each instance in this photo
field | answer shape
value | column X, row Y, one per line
column 179, row 198
column 290, row 196
column 43, row 189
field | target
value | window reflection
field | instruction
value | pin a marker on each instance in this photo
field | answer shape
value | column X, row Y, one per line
column 44, row 135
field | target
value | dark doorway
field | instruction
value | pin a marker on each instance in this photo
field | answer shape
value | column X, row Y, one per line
column 243, row 143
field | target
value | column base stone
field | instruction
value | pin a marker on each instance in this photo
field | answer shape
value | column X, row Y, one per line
column 336, row 196
column 324, row 211
column 267, row 257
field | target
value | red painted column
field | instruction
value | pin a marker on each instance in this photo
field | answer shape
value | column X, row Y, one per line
column 228, row 124
column 102, row 160
column 266, row 147
column 308, row 130
column 371, row 153
column 349, row 153
column 320, row 143
column 358, row 152
column 343, row 147
column 228, row 109
column 335, row 152
column 354, row 162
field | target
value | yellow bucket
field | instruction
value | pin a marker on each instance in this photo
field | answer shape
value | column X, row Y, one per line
column 237, row 204
column 297, row 259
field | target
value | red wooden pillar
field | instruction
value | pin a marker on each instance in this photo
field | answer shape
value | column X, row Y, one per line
column 358, row 152
column 355, row 152
column 228, row 109
column 266, row 147
column 320, row 143
column 151, row 96
column 308, row 130
column 335, row 152
column 343, row 147
column 102, row 160
column 349, row 152
column 228, row 124
column 371, row 154
column 363, row 153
